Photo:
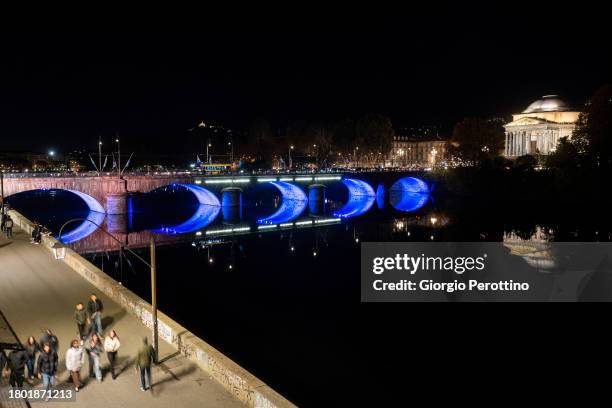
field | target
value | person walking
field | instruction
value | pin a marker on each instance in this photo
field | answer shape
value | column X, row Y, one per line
column 47, row 366
column 3, row 220
column 2, row 362
column 94, row 351
column 8, row 226
column 75, row 358
column 80, row 317
column 49, row 338
column 111, row 346
column 31, row 348
column 144, row 359
column 16, row 364
column 94, row 310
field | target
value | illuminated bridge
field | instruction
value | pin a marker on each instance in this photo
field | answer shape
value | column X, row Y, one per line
column 108, row 200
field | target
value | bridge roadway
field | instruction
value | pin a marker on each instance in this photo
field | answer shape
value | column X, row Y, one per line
column 36, row 292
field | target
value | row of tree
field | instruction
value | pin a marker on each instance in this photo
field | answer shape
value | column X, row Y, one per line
column 369, row 135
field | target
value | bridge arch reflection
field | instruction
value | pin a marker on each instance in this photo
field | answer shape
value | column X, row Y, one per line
column 96, row 213
column 361, row 198
column 409, row 194
column 293, row 204
column 207, row 211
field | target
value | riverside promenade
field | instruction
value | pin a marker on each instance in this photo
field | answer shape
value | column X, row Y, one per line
column 36, row 291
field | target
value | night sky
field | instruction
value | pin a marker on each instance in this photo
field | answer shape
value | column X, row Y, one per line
column 62, row 90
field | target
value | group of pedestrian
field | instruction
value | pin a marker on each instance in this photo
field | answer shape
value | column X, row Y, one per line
column 41, row 358
column 45, row 366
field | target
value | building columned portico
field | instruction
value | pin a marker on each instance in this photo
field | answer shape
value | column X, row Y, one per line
column 538, row 128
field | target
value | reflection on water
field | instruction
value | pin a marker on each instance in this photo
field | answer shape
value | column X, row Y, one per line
column 206, row 212
column 85, row 229
column 535, row 249
column 360, row 200
column 293, row 204
column 409, row 194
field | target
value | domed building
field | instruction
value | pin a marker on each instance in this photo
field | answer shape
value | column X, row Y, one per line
column 538, row 128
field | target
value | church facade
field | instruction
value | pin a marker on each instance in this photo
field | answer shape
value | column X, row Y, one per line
column 538, row 128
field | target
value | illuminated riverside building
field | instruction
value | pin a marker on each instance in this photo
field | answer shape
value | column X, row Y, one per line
column 538, row 128
column 407, row 152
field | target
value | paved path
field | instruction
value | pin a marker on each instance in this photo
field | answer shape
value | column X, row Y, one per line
column 37, row 291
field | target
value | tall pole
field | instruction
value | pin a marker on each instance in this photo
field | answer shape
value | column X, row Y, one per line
column 154, row 298
column 100, row 156
column 2, row 188
column 118, row 156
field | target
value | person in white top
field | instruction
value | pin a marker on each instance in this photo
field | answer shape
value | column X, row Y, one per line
column 75, row 358
column 111, row 346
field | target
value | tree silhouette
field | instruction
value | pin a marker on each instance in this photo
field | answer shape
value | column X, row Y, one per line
column 475, row 140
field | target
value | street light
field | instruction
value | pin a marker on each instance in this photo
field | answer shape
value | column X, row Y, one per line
column 118, row 157
column 290, row 159
column 99, row 156
column 59, row 251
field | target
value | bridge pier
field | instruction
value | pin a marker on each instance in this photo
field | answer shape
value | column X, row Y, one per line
column 231, row 204
column 316, row 199
column 117, row 203
column 381, row 196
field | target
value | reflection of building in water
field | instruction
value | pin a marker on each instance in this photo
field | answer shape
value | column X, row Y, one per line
column 538, row 128
column 428, row 221
column 535, row 250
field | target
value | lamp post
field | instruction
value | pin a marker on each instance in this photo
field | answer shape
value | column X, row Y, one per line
column 355, row 149
column 100, row 156
column 231, row 145
column 290, row 159
column 118, row 157
column 316, row 154
column 2, row 189
column 59, row 251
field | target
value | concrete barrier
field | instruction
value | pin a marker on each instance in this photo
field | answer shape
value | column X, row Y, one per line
column 242, row 384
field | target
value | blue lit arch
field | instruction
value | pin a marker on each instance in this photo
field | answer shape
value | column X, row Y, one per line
column 205, row 214
column 293, row 204
column 361, row 198
column 409, row 194
column 96, row 215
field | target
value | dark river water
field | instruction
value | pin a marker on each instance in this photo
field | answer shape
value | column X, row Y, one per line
column 284, row 302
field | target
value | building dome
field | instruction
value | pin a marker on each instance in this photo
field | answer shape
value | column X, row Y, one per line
column 548, row 103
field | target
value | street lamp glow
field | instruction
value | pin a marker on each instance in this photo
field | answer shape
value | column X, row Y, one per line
column 51, row 153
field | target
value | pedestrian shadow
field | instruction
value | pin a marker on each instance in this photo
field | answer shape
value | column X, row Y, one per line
column 108, row 321
column 6, row 244
column 169, row 357
column 123, row 363
column 173, row 375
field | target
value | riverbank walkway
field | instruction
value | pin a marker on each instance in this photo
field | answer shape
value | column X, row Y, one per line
column 36, row 291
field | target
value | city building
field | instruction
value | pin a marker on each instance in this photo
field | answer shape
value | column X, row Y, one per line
column 419, row 147
column 538, row 128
